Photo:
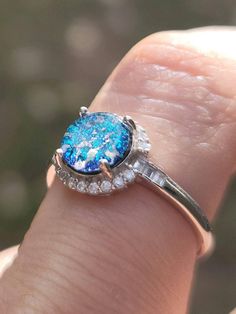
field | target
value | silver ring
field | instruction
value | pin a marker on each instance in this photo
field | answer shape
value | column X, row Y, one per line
column 102, row 152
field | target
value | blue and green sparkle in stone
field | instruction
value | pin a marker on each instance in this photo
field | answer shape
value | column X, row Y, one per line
column 95, row 137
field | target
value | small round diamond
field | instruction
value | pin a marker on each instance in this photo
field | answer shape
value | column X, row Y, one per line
column 58, row 171
column 129, row 175
column 106, row 186
column 118, row 182
column 144, row 145
column 142, row 135
column 81, row 186
column 72, row 183
column 93, row 188
column 63, row 175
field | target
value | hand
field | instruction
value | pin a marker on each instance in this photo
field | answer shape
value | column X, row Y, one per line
column 133, row 252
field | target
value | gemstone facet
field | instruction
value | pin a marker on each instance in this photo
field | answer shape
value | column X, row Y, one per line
column 106, row 186
column 129, row 175
column 95, row 137
column 93, row 188
column 118, row 182
column 72, row 183
column 81, row 186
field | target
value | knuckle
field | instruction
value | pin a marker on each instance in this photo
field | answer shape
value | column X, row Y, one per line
column 176, row 83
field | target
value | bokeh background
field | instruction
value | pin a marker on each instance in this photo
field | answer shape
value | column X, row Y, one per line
column 54, row 57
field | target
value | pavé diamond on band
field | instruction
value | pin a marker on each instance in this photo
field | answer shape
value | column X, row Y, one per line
column 102, row 152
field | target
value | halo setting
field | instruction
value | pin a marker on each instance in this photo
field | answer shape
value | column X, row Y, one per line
column 98, row 152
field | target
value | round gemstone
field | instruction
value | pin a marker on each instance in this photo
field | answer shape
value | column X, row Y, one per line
column 106, row 186
column 118, row 182
column 72, row 182
column 129, row 175
column 81, row 186
column 93, row 188
column 95, row 137
column 63, row 175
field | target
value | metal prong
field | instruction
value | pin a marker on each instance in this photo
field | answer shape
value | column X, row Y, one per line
column 57, row 156
column 59, row 152
column 128, row 120
column 105, row 168
column 83, row 111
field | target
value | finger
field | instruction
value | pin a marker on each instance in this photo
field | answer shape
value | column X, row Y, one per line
column 132, row 251
column 180, row 86
column 50, row 176
column 7, row 257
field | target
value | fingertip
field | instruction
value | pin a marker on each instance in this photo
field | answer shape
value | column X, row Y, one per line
column 217, row 41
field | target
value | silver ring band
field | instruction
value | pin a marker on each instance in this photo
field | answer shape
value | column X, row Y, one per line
column 161, row 182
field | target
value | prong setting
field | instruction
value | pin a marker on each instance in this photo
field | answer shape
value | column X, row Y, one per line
column 59, row 152
column 105, row 168
column 83, row 111
column 130, row 122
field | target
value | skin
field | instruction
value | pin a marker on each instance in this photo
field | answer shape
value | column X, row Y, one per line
column 134, row 252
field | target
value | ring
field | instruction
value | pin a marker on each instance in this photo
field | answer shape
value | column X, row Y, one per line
column 102, row 152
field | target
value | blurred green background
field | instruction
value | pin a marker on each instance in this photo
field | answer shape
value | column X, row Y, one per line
column 54, row 57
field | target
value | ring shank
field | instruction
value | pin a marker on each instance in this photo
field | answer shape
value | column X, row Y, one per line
column 186, row 204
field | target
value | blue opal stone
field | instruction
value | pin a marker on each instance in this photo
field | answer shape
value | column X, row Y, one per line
column 95, row 137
